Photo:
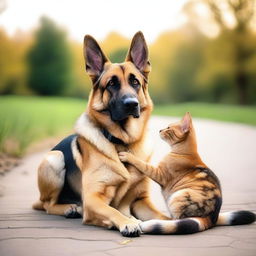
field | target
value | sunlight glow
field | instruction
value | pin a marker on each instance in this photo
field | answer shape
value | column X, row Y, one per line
column 97, row 17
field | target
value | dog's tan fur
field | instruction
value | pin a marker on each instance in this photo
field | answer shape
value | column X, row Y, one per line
column 113, row 194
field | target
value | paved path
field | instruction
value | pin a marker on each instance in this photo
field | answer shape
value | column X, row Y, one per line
column 228, row 149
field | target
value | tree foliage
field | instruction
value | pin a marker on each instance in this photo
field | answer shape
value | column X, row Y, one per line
column 238, row 34
column 188, row 64
column 13, row 67
column 49, row 60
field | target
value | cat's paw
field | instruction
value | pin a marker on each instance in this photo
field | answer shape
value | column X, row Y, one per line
column 124, row 156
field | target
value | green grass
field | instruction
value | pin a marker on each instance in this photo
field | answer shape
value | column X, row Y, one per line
column 221, row 112
column 24, row 120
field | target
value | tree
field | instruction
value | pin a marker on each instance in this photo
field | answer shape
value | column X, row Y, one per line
column 118, row 55
column 49, row 60
column 242, row 14
column 12, row 62
column 185, row 65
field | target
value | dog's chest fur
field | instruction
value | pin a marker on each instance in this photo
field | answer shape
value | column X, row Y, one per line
column 104, row 164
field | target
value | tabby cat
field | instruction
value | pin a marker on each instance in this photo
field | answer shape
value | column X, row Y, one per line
column 191, row 190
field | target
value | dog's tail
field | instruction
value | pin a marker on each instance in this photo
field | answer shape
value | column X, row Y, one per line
column 195, row 224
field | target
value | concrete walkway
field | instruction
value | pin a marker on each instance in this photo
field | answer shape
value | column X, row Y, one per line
column 228, row 149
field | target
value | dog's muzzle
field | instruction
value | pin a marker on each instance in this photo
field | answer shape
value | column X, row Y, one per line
column 124, row 107
column 131, row 106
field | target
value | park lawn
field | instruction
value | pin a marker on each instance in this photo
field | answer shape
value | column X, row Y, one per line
column 221, row 112
column 24, row 120
column 29, row 119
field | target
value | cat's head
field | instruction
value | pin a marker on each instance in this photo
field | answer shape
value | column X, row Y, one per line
column 177, row 132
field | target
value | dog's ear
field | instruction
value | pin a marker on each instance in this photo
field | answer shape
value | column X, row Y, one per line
column 138, row 53
column 94, row 57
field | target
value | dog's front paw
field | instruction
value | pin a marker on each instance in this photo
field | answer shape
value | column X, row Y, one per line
column 73, row 212
column 136, row 220
column 131, row 228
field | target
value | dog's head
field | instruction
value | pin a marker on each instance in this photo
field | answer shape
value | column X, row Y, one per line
column 118, row 88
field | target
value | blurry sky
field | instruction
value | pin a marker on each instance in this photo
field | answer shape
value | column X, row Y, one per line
column 96, row 17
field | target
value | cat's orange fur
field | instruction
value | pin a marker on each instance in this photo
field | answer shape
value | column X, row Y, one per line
column 191, row 190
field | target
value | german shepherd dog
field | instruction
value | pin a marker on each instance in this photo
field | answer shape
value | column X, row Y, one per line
column 82, row 175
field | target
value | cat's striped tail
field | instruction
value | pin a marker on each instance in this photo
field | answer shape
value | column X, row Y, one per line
column 235, row 218
column 181, row 226
column 195, row 224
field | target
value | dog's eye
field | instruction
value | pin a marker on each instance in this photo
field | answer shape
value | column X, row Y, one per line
column 111, row 83
column 135, row 82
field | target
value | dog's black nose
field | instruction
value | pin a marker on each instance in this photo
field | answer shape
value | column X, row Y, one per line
column 131, row 103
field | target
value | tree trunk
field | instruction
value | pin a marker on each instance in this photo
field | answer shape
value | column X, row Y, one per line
column 241, row 55
column 242, row 86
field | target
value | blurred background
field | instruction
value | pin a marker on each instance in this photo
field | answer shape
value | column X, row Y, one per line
column 202, row 52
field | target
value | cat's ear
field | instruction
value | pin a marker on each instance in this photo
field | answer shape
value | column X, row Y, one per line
column 186, row 123
column 94, row 57
column 138, row 53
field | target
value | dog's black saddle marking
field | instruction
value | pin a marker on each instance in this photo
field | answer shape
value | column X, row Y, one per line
column 65, row 147
column 68, row 195
column 112, row 138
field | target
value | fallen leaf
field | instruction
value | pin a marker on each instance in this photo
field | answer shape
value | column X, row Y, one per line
column 124, row 242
